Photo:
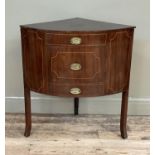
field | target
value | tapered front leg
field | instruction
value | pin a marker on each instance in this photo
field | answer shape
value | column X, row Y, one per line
column 27, row 111
column 76, row 106
column 123, row 120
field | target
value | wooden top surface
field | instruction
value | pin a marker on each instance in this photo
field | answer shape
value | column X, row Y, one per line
column 76, row 24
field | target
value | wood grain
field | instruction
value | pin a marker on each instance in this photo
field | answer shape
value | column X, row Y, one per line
column 32, row 47
column 82, row 135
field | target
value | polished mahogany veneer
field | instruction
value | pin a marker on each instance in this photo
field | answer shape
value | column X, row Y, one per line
column 77, row 58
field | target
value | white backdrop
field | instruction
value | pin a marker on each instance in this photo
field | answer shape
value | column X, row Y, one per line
column 128, row 12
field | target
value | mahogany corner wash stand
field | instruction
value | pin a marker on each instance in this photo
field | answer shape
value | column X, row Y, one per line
column 77, row 58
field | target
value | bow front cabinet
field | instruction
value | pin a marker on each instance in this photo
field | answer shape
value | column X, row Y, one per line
column 77, row 58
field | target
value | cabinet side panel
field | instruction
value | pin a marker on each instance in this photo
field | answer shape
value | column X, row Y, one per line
column 32, row 51
column 120, row 44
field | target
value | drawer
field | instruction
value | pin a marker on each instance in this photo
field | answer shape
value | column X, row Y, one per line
column 76, row 39
column 77, row 90
column 74, row 66
column 68, row 64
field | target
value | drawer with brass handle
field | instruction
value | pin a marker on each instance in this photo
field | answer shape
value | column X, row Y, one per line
column 74, row 66
column 76, row 39
column 74, row 90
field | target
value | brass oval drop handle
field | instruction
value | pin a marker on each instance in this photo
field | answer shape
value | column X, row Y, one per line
column 75, row 66
column 76, row 40
column 75, row 91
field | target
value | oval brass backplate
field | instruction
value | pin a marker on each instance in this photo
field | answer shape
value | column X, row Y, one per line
column 75, row 91
column 76, row 40
column 75, row 66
